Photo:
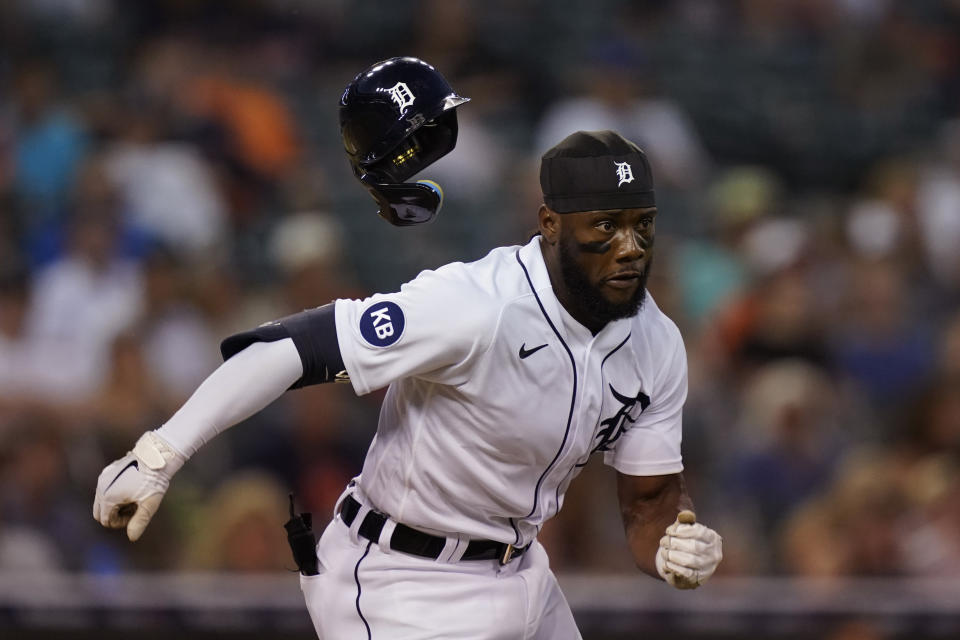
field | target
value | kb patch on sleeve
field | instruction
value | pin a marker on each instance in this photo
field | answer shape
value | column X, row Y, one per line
column 381, row 324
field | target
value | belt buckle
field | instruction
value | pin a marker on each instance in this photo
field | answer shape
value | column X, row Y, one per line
column 507, row 554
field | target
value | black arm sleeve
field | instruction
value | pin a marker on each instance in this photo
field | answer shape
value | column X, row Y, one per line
column 314, row 333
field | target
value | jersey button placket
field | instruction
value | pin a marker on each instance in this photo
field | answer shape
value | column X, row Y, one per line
column 593, row 396
column 586, row 412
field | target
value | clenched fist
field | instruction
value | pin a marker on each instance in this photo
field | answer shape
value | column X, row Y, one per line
column 689, row 552
column 130, row 489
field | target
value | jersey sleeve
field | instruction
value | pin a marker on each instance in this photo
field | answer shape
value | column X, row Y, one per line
column 651, row 446
column 433, row 328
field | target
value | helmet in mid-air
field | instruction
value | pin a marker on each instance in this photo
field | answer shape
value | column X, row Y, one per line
column 396, row 118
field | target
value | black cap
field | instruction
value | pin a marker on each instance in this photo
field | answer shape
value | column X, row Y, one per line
column 596, row 170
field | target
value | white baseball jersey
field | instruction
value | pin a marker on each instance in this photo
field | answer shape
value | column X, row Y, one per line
column 498, row 396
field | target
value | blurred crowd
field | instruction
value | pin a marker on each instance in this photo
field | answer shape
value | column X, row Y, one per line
column 171, row 172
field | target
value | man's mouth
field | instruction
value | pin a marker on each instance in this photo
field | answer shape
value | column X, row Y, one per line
column 623, row 279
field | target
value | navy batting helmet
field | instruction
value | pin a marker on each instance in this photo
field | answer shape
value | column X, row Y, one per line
column 396, row 118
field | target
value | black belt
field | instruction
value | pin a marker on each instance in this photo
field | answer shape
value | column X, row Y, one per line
column 418, row 543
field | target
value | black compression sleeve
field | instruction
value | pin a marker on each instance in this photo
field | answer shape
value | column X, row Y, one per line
column 314, row 333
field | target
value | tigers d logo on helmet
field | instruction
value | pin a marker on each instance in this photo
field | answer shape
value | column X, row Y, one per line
column 401, row 94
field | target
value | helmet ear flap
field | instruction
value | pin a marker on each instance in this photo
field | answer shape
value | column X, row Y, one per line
column 406, row 204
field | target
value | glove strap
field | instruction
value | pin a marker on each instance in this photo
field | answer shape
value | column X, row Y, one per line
column 156, row 453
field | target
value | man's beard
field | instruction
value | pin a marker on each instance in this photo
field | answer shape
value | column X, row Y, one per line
column 590, row 298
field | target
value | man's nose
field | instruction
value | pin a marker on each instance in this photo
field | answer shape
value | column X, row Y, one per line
column 630, row 247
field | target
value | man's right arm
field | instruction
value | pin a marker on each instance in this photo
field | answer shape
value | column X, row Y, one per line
column 239, row 388
column 260, row 366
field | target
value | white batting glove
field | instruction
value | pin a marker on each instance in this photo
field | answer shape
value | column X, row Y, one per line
column 129, row 490
column 689, row 552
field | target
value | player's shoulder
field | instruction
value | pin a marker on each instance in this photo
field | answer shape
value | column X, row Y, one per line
column 656, row 328
column 492, row 278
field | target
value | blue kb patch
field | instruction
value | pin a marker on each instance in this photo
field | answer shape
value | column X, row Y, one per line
column 381, row 324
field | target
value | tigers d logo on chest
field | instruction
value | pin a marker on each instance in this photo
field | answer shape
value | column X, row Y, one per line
column 616, row 425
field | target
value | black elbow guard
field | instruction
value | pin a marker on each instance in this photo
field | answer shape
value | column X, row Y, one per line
column 314, row 333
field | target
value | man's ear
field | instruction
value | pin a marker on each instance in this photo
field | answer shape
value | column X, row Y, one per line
column 549, row 223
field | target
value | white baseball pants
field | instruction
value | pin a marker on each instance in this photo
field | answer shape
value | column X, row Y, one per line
column 365, row 592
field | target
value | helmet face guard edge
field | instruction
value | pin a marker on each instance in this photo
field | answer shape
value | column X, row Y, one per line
column 406, row 203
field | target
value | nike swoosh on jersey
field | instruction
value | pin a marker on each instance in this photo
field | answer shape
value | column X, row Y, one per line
column 133, row 464
column 525, row 353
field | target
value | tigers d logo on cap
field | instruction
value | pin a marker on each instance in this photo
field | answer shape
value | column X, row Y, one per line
column 624, row 172
column 594, row 171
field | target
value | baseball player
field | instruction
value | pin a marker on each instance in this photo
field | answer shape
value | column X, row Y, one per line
column 504, row 376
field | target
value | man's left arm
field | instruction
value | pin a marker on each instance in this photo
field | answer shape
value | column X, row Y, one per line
column 683, row 552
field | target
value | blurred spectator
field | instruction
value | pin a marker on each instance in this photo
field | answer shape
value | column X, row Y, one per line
column 258, row 131
column 473, row 172
column 779, row 319
column 40, row 499
column 853, row 528
column 883, row 222
column 776, row 244
column 938, row 209
column 930, row 540
column 228, row 304
column 881, row 346
column 245, row 125
column 166, row 186
column 874, row 229
column 307, row 248
column 130, row 400
column 788, row 440
column 49, row 144
column 85, row 299
column 616, row 92
column 178, row 343
column 712, row 268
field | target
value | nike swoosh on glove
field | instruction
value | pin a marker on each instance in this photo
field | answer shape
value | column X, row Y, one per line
column 129, row 490
column 688, row 554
